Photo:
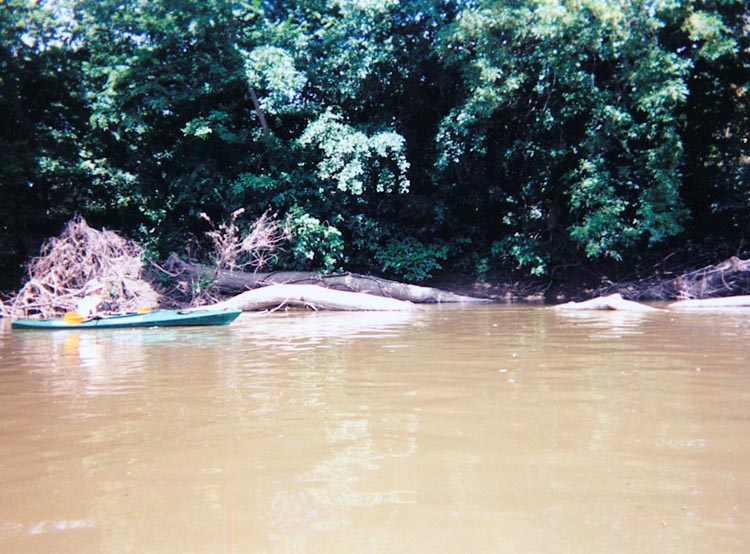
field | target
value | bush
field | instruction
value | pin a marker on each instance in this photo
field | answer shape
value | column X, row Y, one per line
column 411, row 259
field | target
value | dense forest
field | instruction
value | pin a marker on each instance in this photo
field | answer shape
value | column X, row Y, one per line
column 405, row 139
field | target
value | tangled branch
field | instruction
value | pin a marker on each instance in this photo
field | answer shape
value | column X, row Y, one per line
column 233, row 251
column 57, row 277
column 728, row 278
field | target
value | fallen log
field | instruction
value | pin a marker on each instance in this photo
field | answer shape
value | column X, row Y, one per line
column 232, row 282
column 610, row 302
column 310, row 297
column 702, row 303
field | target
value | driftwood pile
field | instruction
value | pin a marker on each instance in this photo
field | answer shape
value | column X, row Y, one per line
column 57, row 277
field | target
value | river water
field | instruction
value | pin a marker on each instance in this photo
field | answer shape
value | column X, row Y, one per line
column 509, row 429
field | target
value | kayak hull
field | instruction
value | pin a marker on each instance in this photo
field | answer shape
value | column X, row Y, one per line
column 155, row 318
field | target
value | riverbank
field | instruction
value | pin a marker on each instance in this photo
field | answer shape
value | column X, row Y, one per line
column 730, row 277
column 55, row 283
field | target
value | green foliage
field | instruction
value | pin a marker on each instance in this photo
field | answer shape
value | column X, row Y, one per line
column 272, row 70
column 169, row 113
column 525, row 254
column 411, row 259
column 715, row 38
column 399, row 137
column 314, row 245
column 717, row 125
column 41, row 114
column 354, row 161
column 598, row 99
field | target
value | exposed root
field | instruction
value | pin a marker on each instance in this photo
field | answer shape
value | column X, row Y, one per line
column 728, row 278
column 57, row 277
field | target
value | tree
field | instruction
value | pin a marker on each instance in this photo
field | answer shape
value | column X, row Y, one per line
column 41, row 125
column 715, row 39
column 393, row 137
column 169, row 112
column 569, row 128
column 370, row 107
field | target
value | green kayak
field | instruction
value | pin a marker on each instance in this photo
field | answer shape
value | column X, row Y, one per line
column 156, row 318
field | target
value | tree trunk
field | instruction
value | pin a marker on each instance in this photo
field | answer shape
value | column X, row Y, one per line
column 231, row 282
column 310, row 297
column 726, row 302
column 258, row 109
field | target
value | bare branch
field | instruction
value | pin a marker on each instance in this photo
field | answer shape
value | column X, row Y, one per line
column 234, row 252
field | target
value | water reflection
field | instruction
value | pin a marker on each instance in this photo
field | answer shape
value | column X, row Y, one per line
column 300, row 331
column 323, row 361
column 608, row 324
column 83, row 362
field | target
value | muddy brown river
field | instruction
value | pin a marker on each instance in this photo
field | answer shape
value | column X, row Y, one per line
column 507, row 429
